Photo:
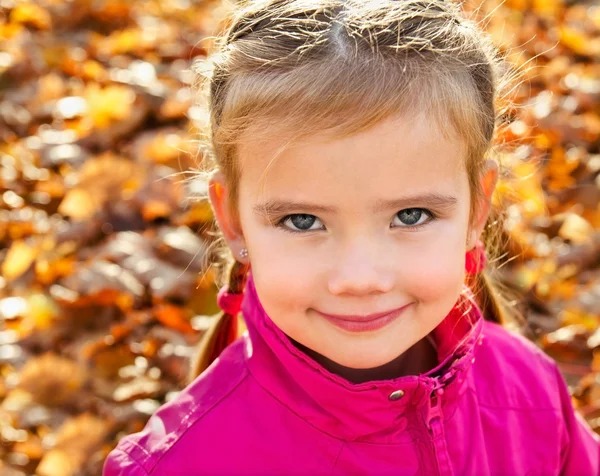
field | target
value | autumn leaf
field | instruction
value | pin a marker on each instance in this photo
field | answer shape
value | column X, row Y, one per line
column 30, row 14
column 19, row 259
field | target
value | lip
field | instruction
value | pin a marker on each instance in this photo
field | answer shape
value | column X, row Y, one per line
column 362, row 323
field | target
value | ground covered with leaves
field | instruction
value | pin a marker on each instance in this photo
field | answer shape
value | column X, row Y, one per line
column 104, row 291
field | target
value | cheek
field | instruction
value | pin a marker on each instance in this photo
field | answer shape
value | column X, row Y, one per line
column 437, row 279
column 278, row 263
column 284, row 281
column 284, row 296
column 281, row 278
column 437, row 272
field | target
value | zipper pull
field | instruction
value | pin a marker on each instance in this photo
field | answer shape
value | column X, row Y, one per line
column 435, row 425
column 434, row 407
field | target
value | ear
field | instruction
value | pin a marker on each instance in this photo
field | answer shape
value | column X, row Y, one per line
column 218, row 195
column 488, row 181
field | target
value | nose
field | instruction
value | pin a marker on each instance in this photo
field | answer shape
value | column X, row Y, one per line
column 361, row 268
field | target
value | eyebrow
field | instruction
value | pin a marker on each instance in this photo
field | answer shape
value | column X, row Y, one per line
column 282, row 207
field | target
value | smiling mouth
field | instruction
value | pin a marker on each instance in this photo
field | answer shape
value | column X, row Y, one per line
column 362, row 323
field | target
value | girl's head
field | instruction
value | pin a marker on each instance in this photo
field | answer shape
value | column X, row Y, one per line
column 349, row 143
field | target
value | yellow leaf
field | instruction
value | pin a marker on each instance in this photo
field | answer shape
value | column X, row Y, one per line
column 576, row 229
column 78, row 204
column 10, row 31
column 28, row 13
column 547, row 8
column 110, row 104
column 524, row 189
column 164, row 148
column 576, row 40
column 18, row 260
column 578, row 317
column 56, row 461
column 41, row 311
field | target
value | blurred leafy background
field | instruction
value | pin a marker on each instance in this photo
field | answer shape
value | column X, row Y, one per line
column 104, row 289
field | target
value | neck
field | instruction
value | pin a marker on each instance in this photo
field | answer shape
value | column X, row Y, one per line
column 418, row 359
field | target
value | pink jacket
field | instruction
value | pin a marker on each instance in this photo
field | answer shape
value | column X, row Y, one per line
column 494, row 405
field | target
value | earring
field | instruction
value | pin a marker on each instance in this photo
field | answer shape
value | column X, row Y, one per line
column 243, row 253
column 475, row 259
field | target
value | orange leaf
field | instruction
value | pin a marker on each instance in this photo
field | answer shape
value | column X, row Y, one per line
column 154, row 209
column 174, row 317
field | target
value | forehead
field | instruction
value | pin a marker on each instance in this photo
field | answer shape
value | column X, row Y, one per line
column 395, row 156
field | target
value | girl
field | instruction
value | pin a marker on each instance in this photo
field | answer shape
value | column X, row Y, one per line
column 352, row 185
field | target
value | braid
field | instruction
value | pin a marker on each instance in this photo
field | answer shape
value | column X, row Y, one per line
column 223, row 331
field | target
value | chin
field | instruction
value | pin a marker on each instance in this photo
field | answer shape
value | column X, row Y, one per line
column 367, row 359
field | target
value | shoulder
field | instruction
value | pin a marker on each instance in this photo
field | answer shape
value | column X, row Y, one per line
column 173, row 428
column 512, row 371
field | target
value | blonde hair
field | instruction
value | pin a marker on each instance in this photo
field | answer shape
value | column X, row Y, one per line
column 344, row 66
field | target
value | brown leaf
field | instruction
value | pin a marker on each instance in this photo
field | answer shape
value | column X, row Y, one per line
column 568, row 343
column 104, row 282
column 51, row 379
column 75, row 441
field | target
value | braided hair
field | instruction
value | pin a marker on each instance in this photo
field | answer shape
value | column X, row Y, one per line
column 224, row 329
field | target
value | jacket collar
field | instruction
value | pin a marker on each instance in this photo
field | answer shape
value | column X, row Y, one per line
column 357, row 411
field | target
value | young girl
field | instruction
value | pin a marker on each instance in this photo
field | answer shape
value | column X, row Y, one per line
column 352, row 184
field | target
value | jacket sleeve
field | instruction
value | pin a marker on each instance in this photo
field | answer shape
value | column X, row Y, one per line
column 580, row 451
column 119, row 463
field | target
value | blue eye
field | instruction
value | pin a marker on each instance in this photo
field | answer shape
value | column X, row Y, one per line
column 413, row 217
column 409, row 218
column 300, row 222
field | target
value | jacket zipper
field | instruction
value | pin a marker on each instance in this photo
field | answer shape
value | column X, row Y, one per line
column 435, row 426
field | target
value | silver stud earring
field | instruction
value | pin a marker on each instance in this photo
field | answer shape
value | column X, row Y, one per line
column 243, row 253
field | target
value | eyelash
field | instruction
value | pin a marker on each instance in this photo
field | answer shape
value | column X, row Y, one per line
column 411, row 228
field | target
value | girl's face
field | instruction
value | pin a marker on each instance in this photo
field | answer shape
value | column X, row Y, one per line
column 353, row 227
